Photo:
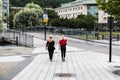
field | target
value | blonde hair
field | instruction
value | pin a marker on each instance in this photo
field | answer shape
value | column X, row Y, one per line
column 62, row 37
column 50, row 36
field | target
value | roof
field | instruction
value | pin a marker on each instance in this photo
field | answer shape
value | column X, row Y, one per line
column 78, row 2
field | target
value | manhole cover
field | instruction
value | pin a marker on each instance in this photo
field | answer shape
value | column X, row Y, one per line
column 116, row 72
column 64, row 75
column 117, row 66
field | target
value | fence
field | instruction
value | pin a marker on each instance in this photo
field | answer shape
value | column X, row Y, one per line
column 76, row 33
column 18, row 37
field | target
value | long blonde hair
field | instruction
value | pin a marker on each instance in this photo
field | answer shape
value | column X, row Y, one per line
column 50, row 38
column 62, row 37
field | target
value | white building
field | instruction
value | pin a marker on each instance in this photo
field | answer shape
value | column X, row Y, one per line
column 75, row 8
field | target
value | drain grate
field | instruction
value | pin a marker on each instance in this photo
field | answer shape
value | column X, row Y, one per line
column 64, row 75
column 117, row 72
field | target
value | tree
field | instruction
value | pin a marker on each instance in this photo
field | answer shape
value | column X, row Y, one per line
column 11, row 16
column 117, row 19
column 48, row 3
column 86, row 21
column 1, row 17
column 82, row 21
column 31, row 15
column 56, row 22
column 52, row 15
column 112, row 7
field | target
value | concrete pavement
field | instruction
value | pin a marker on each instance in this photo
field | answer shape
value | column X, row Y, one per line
column 79, row 65
column 83, row 65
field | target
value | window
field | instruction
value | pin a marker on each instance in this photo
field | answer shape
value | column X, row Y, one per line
column 104, row 18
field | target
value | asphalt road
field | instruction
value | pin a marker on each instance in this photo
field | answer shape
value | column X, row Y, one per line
column 85, row 45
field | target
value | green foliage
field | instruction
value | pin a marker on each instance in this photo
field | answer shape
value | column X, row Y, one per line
column 1, row 26
column 48, row 3
column 71, row 23
column 56, row 22
column 52, row 15
column 86, row 21
column 82, row 21
column 117, row 19
column 31, row 15
column 112, row 7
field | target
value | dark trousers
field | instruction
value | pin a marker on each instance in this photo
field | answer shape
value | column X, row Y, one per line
column 63, row 52
column 50, row 53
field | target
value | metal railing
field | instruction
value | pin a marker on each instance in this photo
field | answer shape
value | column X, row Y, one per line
column 76, row 33
column 18, row 37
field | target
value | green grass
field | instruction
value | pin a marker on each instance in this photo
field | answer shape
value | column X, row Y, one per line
column 90, row 37
column 107, row 33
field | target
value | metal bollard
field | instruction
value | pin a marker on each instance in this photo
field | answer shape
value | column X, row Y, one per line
column 86, row 36
column 118, row 37
column 3, row 41
column 97, row 36
column 102, row 37
column 17, row 41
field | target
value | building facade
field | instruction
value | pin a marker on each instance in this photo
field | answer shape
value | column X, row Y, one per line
column 75, row 8
column 5, row 7
column 5, row 11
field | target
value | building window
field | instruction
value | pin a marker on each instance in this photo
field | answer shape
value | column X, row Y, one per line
column 81, row 7
column 105, row 13
column 76, row 8
column 104, row 18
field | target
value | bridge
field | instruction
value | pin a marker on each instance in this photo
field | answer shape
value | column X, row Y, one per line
column 17, row 37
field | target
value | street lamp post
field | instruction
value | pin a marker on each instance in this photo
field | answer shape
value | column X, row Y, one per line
column 45, row 31
column 110, row 25
column 45, row 20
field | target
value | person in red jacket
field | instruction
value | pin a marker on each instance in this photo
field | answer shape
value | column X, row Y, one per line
column 62, row 44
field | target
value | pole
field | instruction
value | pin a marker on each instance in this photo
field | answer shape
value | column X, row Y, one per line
column 110, row 24
column 45, row 23
column 45, row 31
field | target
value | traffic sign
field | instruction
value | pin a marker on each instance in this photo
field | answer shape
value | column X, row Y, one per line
column 45, row 17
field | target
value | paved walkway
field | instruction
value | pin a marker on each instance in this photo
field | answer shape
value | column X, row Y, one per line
column 83, row 65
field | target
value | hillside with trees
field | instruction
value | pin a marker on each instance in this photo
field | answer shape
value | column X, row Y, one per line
column 48, row 3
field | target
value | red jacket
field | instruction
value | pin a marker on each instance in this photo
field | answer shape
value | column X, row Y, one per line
column 62, row 42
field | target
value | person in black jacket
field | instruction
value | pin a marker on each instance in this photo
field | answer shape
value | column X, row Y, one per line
column 50, row 47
